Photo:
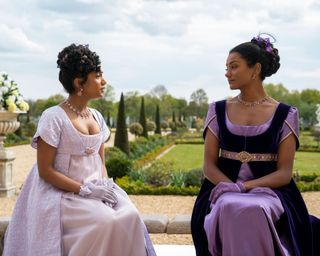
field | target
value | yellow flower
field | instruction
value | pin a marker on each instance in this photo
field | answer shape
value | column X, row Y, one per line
column 15, row 92
column 9, row 101
column 24, row 106
column 12, row 107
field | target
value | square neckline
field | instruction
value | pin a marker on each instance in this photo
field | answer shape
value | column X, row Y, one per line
column 75, row 129
column 269, row 120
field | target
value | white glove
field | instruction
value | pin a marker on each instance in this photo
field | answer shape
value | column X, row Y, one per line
column 99, row 191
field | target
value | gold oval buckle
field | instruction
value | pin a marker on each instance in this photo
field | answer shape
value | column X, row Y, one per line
column 244, row 156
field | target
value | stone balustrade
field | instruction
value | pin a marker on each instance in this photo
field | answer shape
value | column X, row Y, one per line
column 156, row 224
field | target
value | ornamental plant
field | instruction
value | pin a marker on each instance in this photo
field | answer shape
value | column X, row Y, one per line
column 10, row 98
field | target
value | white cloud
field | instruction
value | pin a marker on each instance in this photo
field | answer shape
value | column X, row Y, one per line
column 15, row 40
column 142, row 43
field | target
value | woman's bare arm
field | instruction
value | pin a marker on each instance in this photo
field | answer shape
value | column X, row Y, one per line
column 211, row 154
column 101, row 153
column 283, row 174
column 45, row 159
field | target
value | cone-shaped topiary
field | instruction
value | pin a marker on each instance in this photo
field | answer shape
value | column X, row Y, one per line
column 121, row 136
column 143, row 120
column 158, row 127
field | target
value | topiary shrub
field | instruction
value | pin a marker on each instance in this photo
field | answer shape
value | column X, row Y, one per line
column 158, row 173
column 118, row 167
column 117, row 162
column 194, row 177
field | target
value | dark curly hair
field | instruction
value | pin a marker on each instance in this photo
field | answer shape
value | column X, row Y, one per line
column 76, row 61
column 260, row 50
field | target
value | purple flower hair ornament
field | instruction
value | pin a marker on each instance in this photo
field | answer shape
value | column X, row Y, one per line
column 266, row 41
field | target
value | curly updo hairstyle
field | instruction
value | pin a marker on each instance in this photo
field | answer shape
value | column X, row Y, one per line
column 260, row 50
column 76, row 61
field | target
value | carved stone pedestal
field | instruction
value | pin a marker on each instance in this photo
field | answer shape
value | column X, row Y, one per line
column 8, row 123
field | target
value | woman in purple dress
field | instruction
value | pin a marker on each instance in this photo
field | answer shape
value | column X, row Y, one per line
column 249, row 203
column 68, row 205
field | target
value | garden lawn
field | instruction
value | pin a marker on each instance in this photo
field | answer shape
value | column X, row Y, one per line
column 188, row 156
column 185, row 156
column 307, row 163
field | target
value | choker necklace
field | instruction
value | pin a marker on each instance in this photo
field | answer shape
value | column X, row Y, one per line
column 252, row 103
column 83, row 114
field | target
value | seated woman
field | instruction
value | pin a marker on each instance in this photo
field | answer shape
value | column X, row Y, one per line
column 249, row 203
column 68, row 205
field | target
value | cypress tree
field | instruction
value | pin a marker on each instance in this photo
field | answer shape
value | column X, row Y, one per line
column 108, row 119
column 173, row 117
column 121, row 136
column 143, row 120
column 158, row 127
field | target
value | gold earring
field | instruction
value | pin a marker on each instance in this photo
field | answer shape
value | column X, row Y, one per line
column 79, row 93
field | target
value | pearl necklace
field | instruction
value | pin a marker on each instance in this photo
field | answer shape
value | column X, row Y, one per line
column 83, row 114
column 252, row 103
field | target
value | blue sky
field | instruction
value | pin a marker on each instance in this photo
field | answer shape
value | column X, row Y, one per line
column 182, row 44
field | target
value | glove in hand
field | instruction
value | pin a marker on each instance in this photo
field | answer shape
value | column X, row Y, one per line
column 223, row 187
column 102, row 190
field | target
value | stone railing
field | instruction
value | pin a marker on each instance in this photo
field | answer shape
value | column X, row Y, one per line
column 156, row 224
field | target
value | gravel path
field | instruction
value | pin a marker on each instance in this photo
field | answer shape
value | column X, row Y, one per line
column 167, row 205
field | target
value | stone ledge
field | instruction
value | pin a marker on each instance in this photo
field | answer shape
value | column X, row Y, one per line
column 155, row 223
column 180, row 224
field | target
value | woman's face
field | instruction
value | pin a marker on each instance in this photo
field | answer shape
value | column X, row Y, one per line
column 237, row 72
column 94, row 87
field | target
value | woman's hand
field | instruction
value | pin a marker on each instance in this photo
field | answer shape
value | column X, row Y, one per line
column 99, row 192
column 223, row 187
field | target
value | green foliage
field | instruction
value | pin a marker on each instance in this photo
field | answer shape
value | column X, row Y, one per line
column 194, row 177
column 177, row 178
column 164, row 125
column 139, row 188
column 136, row 129
column 158, row 173
column 12, row 139
column 141, row 146
column 143, row 120
column 121, row 136
column 37, row 107
column 28, row 129
column 151, row 126
column 118, row 167
column 158, row 127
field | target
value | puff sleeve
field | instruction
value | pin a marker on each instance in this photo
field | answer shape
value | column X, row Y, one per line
column 291, row 125
column 49, row 128
column 211, row 122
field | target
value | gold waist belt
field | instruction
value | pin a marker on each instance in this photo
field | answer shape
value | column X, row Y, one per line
column 245, row 156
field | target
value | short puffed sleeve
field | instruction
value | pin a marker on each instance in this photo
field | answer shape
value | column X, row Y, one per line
column 49, row 128
column 290, row 125
column 211, row 122
column 104, row 128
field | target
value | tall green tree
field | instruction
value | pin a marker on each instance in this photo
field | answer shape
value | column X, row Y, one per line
column 157, row 119
column 142, row 119
column 121, row 136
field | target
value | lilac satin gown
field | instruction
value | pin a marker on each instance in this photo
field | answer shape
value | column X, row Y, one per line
column 244, row 223
column 49, row 221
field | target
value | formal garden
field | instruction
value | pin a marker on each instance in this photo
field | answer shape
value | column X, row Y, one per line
column 166, row 156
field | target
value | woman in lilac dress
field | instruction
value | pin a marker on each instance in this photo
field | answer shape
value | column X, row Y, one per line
column 68, row 205
column 248, row 203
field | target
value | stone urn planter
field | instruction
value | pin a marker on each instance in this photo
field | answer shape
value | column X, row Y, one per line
column 8, row 124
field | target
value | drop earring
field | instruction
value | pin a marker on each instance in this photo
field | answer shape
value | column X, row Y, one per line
column 79, row 93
